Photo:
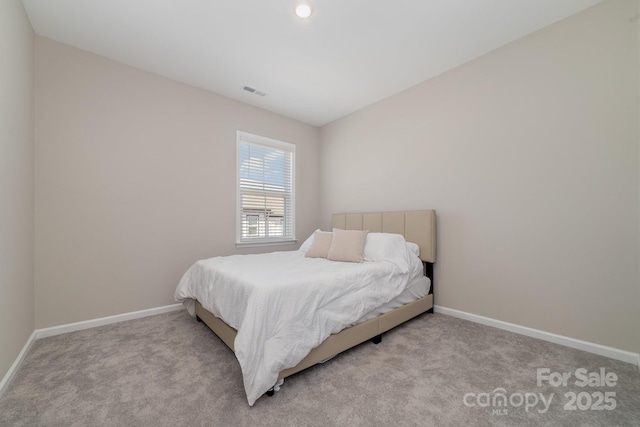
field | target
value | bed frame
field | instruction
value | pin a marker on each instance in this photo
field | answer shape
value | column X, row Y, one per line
column 416, row 226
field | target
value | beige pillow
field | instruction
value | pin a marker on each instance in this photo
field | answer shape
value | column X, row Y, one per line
column 320, row 246
column 347, row 245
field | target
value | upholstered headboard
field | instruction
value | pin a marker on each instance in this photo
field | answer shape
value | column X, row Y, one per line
column 416, row 226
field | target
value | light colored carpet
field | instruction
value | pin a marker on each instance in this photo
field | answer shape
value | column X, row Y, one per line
column 169, row 370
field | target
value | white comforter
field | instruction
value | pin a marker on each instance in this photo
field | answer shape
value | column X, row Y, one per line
column 283, row 304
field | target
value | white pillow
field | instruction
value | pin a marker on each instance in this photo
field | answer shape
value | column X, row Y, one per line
column 304, row 247
column 347, row 245
column 321, row 244
column 413, row 248
column 388, row 247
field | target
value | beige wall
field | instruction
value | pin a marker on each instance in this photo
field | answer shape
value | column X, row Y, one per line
column 16, row 182
column 530, row 156
column 135, row 180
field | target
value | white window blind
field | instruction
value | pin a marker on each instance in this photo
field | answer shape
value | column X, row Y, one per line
column 265, row 190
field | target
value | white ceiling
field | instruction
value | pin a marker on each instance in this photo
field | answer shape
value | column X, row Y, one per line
column 349, row 54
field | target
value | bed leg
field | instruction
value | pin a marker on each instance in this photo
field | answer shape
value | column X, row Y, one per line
column 275, row 388
column 377, row 339
column 198, row 318
column 430, row 310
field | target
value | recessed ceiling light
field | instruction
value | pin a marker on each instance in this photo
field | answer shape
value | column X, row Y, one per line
column 303, row 10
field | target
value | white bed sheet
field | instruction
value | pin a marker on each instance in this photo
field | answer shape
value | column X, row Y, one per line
column 281, row 317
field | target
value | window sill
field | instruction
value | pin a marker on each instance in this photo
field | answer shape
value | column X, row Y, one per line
column 267, row 243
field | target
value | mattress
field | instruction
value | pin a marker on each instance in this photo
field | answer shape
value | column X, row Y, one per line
column 416, row 289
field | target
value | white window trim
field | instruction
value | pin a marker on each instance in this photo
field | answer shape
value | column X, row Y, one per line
column 274, row 143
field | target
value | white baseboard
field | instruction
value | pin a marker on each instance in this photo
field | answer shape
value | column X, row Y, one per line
column 4, row 384
column 87, row 324
column 71, row 327
column 613, row 353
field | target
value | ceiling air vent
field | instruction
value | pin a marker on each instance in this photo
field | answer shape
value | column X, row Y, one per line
column 252, row 90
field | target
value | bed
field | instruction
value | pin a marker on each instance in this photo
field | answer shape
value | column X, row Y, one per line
column 360, row 317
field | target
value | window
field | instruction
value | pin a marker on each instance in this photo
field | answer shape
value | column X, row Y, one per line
column 265, row 184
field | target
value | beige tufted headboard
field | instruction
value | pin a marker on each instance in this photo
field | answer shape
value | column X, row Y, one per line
column 416, row 226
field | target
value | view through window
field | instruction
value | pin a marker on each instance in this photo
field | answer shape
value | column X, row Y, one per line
column 265, row 190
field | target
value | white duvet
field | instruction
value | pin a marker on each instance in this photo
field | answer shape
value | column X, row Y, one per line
column 284, row 304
